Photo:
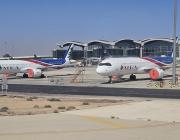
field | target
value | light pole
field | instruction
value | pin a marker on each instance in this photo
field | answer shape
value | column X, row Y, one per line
column 174, row 46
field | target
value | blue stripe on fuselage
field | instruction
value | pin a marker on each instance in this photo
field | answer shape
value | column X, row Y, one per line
column 164, row 59
column 53, row 61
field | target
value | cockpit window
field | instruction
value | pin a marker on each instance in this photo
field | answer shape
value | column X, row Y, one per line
column 105, row 64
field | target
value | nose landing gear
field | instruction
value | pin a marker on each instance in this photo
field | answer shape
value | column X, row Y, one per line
column 132, row 77
column 42, row 76
column 110, row 79
column 25, row 75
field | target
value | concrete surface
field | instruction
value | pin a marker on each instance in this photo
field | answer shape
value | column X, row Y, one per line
column 154, row 110
column 146, row 119
column 91, row 78
column 72, row 125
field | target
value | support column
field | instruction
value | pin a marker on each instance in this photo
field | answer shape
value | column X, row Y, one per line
column 141, row 52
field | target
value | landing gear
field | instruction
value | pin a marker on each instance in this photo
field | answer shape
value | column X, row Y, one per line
column 132, row 77
column 42, row 76
column 25, row 75
column 110, row 79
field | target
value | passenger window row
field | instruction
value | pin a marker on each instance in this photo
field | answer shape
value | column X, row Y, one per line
column 105, row 64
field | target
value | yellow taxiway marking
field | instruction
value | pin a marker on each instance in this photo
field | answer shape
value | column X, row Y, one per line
column 120, row 125
column 112, row 125
column 106, row 122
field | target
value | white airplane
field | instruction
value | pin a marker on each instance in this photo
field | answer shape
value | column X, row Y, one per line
column 33, row 68
column 119, row 67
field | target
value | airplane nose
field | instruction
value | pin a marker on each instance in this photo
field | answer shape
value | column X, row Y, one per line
column 98, row 70
column 101, row 71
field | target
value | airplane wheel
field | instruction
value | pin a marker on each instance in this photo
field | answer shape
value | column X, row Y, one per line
column 42, row 76
column 25, row 75
column 132, row 77
column 110, row 79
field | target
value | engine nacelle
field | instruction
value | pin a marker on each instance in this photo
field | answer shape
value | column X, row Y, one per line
column 156, row 74
column 34, row 73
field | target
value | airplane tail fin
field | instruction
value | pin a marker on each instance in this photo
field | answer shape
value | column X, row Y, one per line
column 69, row 53
column 172, row 54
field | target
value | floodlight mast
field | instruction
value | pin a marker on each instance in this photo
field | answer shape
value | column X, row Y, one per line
column 174, row 46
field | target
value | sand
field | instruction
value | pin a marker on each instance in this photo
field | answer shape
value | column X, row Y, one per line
column 16, row 104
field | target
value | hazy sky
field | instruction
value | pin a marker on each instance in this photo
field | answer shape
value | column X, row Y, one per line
column 35, row 26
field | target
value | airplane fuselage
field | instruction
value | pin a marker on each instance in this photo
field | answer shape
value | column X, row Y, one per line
column 123, row 66
column 34, row 67
column 118, row 67
column 17, row 66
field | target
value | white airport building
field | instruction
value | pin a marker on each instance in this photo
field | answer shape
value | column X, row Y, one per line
column 120, row 48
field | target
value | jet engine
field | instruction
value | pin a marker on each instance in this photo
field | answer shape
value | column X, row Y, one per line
column 156, row 74
column 34, row 73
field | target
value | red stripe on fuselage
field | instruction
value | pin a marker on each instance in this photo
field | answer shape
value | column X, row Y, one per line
column 37, row 62
column 154, row 61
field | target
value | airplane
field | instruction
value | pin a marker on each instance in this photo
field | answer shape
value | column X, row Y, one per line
column 118, row 67
column 33, row 68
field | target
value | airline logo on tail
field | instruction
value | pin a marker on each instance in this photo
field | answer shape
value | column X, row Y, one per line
column 69, row 53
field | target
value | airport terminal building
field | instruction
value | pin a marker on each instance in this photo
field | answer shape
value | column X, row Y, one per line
column 119, row 48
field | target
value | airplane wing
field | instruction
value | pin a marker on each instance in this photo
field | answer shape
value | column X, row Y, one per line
column 60, row 66
column 72, row 63
column 145, row 69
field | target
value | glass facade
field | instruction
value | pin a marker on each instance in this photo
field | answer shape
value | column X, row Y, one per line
column 133, row 52
column 158, row 48
column 121, row 48
column 129, row 48
column 115, row 52
column 58, row 53
column 76, row 54
column 99, row 50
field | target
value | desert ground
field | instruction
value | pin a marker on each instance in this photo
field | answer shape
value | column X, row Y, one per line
column 69, row 117
column 18, row 104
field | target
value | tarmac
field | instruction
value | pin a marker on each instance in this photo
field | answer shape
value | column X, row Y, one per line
column 144, row 119
column 101, row 91
column 89, row 78
column 90, row 83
